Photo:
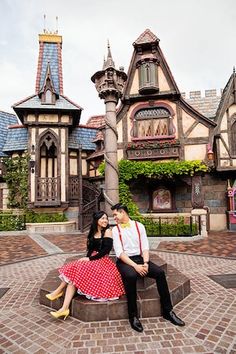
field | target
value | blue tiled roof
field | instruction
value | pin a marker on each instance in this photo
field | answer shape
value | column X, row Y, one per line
column 5, row 120
column 50, row 55
column 35, row 102
column 83, row 136
column 17, row 139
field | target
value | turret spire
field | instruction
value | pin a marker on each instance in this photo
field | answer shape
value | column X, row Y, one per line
column 109, row 63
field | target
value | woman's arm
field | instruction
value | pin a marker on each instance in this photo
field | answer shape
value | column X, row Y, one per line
column 107, row 244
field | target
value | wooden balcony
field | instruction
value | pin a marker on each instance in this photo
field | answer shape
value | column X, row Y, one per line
column 48, row 191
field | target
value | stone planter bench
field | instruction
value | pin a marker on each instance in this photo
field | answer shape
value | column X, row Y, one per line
column 148, row 299
column 51, row 227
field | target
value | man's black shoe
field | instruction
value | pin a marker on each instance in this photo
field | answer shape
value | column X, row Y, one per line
column 173, row 318
column 136, row 324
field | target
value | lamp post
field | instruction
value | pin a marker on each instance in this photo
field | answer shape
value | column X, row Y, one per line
column 109, row 83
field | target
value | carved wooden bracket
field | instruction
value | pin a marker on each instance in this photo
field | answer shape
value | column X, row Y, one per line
column 197, row 195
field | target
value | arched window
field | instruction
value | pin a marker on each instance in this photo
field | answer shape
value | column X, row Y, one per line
column 48, row 157
column 153, row 123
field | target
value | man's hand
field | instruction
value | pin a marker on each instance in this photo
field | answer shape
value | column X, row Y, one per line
column 141, row 269
column 146, row 266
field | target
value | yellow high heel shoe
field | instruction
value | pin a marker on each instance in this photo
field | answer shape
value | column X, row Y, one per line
column 50, row 297
column 58, row 314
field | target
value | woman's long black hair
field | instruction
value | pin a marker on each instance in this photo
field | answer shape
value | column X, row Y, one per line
column 94, row 228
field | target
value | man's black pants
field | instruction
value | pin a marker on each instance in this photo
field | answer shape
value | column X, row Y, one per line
column 130, row 276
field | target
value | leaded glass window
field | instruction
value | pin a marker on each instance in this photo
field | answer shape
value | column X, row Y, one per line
column 152, row 122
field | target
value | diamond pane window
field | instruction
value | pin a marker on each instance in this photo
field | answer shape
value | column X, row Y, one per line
column 153, row 122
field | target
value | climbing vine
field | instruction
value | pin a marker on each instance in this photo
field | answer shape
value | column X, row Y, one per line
column 16, row 177
column 130, row 170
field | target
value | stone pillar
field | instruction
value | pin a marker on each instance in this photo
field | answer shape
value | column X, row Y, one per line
column 109, row 83
column 198, row 204
column 111, row 169
column 201, row 214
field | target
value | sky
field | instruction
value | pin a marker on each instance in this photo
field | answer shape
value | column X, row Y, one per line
column 197, row 38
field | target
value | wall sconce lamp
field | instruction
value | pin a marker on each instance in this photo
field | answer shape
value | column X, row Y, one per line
column 32, row 148
column 210, row 155
column 32, row 165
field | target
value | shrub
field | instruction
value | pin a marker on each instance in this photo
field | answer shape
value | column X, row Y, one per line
column 11, row 222
column 32, row 217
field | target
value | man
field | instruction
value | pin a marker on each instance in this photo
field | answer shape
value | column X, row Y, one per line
column 132, row 250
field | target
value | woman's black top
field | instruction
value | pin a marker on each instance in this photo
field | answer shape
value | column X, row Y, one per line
column 102, row 245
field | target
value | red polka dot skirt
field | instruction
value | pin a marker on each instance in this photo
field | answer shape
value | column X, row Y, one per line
column 98, row 280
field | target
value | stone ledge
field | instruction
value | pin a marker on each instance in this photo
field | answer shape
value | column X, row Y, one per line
column 51, row 227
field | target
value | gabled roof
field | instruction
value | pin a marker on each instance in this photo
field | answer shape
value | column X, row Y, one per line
column 6, row 119
column 35, row 102
column 17, row 139
column 84, row 136
column 146, row 37
column 228, row 96
column 147, row 40
column 96, row 121
column 48, row 76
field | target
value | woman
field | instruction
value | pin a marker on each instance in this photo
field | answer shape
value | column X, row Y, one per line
column 95, row 275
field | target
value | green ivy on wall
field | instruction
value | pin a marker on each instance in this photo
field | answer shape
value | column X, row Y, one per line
column 16, row 176
column 130, row 170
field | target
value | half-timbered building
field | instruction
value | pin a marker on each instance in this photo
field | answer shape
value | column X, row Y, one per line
column 155, row 122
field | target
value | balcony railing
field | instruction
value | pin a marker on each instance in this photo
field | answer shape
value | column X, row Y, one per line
column 73, row 188
column 47, row 190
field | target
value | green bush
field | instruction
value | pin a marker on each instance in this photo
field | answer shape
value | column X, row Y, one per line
column 175, row 227
column 11, row 222
column 32, row 217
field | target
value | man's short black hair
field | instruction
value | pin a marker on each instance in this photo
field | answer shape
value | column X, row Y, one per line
column 119, row 207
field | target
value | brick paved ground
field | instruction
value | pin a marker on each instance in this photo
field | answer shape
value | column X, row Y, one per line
column 221, row 244
column 26, row 326
column 68, row 243
column 18, row 247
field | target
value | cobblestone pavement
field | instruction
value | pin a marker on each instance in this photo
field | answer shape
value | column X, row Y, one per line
column 68, row 243
column 221, row 244
column 18, row 247
column 209, row 312
column 26, row 327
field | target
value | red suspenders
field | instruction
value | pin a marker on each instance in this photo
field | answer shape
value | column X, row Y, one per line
column 139, row 236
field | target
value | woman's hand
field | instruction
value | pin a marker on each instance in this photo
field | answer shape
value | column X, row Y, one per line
column 84, row 259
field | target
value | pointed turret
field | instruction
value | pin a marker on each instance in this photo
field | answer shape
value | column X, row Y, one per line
column 50, row 45
column 109, row 63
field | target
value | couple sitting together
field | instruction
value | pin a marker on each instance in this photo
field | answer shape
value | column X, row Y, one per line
column 98, row 278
